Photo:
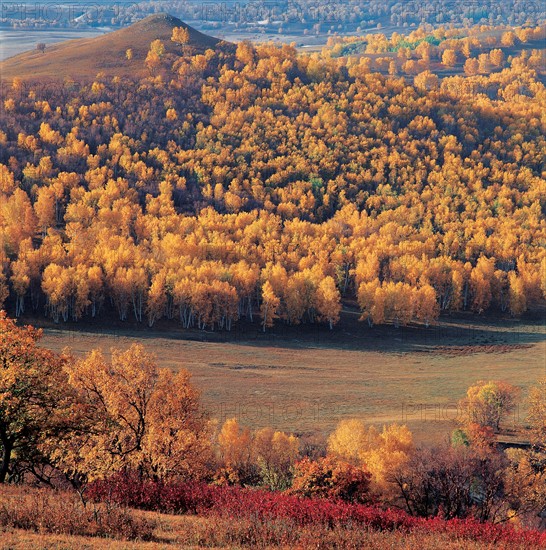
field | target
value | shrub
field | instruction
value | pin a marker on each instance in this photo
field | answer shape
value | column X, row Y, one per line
column 452, row 482
column 331, row 478
column 44, row 510
column 254, row 510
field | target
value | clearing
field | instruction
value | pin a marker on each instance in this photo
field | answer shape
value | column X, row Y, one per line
column 305, row 379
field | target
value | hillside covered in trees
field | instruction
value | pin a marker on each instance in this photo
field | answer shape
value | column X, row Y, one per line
column 266, row 183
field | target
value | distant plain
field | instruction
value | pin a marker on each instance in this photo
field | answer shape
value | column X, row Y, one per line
column 14, row 41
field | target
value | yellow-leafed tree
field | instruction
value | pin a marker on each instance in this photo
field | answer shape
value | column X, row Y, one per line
column 142, row 418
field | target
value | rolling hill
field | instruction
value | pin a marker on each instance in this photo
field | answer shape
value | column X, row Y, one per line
column 84, row 58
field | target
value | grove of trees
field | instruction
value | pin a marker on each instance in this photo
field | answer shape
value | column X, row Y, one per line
column 273, row 184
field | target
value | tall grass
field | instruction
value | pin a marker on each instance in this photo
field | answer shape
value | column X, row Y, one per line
column 220, row 532
column 49, row 511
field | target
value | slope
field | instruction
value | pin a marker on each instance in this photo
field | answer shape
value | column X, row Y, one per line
column 82, row 59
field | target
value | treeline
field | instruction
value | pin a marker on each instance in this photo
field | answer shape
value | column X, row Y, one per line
column 424, row 44
column 265, row 182
column 120, row 423
column 428, row 55
column 331, row 18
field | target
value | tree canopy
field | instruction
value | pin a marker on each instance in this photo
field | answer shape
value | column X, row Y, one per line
column 227, row 184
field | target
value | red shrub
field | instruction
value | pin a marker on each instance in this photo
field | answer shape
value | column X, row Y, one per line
column 261, row 506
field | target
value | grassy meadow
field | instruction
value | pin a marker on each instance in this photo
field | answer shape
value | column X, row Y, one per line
column 305, row 379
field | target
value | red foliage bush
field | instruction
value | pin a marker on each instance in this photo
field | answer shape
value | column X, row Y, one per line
column 128, row 489
column 261, row 506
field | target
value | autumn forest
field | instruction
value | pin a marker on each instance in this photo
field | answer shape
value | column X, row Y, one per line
column 257, row 182
column 160, row 188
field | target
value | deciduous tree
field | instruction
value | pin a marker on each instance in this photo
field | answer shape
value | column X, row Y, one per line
column 35, row 400
column 488, row 403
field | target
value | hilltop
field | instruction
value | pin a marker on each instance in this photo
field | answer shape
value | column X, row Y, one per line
column 84, row 58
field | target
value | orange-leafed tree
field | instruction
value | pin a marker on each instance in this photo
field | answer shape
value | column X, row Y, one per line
column 487, row 403
column 482, row 438
column 328, row 301
column 156, row 303
column 497, row 57
column 481, row 277
column 35, row 399
column 270, row 305
column 525, row 484
column 449, row 58
column 154, row 56
column 331, row 478
column 349, row 440
column 178, row 440
column 508, row 39
column 391, row 449
column 180, row 35
column 275, row 454
column 143, row 419
column 380, row 452
column 235, row 453
column 7, row 181
column 517, row 296
column 471, row 66
column 426, row 305
column 44, row 207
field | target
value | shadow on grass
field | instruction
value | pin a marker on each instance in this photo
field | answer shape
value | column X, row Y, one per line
column 461, row 334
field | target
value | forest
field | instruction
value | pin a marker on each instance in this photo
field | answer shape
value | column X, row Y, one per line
column 196, row 184
column 303, row 17
column 268, row 184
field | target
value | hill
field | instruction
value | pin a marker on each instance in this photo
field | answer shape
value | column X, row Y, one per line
column 84, row 58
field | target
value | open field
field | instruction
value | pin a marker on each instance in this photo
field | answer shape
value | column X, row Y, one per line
column 307, row 379
column 15, row 41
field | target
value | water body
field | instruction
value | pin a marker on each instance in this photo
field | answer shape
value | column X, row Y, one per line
column 14, row 41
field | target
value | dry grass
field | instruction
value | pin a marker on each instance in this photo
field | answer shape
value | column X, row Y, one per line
column 47, row 511
column 24, row 540
column 82, row 59
column 306, row 379
column 189, row 533
column 228, row 533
